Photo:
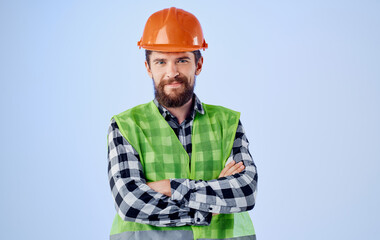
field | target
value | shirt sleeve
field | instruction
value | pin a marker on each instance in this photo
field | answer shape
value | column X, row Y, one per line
column 231, row 194
column 134, row 200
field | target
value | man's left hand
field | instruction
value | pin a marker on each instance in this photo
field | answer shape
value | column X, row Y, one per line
column 162, row 186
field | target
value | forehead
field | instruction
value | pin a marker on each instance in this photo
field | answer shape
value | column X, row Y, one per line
column 171, row 55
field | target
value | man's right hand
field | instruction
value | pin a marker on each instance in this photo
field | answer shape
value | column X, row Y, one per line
column 231, row 169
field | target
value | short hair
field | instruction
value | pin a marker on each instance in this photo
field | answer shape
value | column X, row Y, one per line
column 197, row 56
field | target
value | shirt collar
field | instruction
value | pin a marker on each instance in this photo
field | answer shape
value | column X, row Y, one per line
column 197, row 107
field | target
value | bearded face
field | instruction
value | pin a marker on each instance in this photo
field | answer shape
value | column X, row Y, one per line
column 173, row 75
column 174, row 92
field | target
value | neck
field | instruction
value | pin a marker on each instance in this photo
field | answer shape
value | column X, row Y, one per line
column 181, row 112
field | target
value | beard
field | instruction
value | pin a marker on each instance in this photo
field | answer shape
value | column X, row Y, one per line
column 178, row 96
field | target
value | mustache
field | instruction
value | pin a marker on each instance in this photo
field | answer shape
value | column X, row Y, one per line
column 178, row 79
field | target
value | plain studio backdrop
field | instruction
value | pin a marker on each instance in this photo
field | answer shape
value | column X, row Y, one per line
column 304, row 74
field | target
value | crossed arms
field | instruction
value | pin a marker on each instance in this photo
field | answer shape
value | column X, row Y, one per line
column 178, row 202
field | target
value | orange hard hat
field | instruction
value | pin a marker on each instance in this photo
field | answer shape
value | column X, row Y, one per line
column 172, row 30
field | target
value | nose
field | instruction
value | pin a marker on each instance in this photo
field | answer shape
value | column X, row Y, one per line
column 172, row 70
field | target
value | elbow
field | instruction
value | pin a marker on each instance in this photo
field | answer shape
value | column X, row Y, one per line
column 251, row 197
column 128, row 213
column 249, row 191
column 251, row 201
column 122, row 212
column 123, row 195
column 125, row 210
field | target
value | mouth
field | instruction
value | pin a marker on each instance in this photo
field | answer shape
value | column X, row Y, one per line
column 173, row 84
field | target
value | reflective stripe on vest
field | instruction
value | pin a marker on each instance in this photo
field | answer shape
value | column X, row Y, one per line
column 154, row 235
column 167, row 235
column 163, row 156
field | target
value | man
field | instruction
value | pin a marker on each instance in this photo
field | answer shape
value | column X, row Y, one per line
column 178, row 168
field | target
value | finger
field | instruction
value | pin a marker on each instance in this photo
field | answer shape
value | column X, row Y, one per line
column 239, row 170
column 229, row 169
column 226, row 168
column 234, row 168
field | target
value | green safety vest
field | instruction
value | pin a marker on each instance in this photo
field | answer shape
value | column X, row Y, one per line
column 163, row 157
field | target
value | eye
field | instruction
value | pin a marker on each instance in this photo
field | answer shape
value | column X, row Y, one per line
column 183, row 61
column 159, row 62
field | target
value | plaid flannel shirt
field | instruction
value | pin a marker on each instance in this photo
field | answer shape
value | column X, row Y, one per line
column 192, row 201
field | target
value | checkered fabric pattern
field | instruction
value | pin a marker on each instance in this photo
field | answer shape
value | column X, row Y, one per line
column 191, row 201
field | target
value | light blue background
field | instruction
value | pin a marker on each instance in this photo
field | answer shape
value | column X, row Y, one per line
column 304, row 74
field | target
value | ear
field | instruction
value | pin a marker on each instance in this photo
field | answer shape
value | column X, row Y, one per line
column 148, row 69
column 199, row 66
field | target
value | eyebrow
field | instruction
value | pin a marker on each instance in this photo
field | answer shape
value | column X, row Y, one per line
column 159, row 59
column 164, row 59
column 183, row 58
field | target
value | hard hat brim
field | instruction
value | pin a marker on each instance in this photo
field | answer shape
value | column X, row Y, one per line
column 170, row 48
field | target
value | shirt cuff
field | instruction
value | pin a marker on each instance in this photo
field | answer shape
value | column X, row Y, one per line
column 181, row 189
column 202, row 218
